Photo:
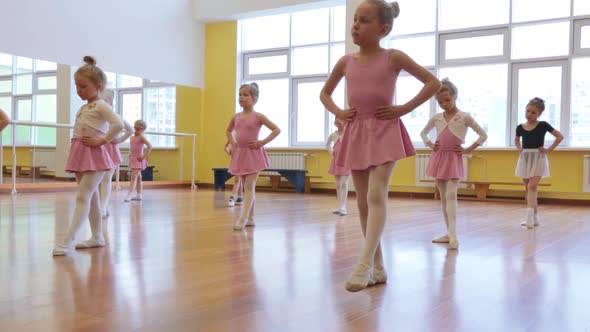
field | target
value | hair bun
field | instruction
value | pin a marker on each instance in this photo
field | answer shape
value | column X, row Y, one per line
column 254, row 84
column 89, row 60
column 394, row 9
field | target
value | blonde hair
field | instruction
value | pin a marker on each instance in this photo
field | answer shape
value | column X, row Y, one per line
column 141, row 124
column 386, row 11
column 538, row 103
column 448, row 86
column 253, row 87
column 91, row 71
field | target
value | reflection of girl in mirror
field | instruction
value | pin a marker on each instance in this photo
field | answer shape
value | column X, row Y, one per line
column 137, row 159
column 113, row 150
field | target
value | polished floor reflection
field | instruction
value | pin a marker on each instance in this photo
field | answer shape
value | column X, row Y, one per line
column 173, row 263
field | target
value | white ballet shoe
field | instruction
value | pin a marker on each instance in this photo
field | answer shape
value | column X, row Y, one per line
column 92, row 243
column 128, row 197
column 379, row 276
column 340, row 211
column 239, row 225
column 359, row 279
column 535, row 222
column 442, row 239
column 60, row 250
column 530, row 222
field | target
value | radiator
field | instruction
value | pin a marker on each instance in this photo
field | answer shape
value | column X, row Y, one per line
column 287, row 160
column 44, row 157
column 586, row 177
column 422, row 163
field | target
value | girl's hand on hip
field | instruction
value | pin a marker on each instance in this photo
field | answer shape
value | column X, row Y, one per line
column 92, row 141
column 390, row 112
column 436, row 146
column 255, row 144
column 346, row 115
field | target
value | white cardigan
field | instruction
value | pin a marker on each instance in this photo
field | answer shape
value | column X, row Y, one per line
column 100, row 116
column 457, row 126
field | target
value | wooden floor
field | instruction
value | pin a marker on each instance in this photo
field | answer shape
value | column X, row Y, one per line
column 173, row 263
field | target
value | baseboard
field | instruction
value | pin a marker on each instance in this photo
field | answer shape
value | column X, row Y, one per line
column 72, row 186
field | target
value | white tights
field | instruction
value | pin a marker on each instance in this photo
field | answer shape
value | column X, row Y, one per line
column 342, row 190
column 532, row 194
column 247, row 213
column 372, row 192
column 448, row 197
column 238, row 187
column 135, row 182
column 87, row 205
column 105, row 188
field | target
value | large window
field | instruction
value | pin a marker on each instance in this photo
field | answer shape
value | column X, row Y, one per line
column 290, row 63
column 501, row 54
column 151, row 101
column 28, row 93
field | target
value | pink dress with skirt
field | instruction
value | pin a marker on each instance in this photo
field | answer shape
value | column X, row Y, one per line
column 135, row 153
column 369, row 141
column 446, row 164
column 83, row 158
column 246, row 160
column 114, row 152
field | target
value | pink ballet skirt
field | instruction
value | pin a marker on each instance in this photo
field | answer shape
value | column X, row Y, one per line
column 114, row 152
column 446, row 164
column 246, row 160
column 334, row 168
column 83, row 158
column 135, row 153
column 369, row 141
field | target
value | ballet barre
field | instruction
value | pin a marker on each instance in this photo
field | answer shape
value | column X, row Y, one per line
column 69, row 126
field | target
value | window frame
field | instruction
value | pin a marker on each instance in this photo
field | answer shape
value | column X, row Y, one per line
column 245, row 56
column 263, row 54
column 145, row 84
column 565, row 94
column 444, row 37
column 294, row 113
column 577, row 34
column 35, row 91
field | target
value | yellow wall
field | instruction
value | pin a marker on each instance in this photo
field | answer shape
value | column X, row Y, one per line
column 23, row 155
column 220, row 95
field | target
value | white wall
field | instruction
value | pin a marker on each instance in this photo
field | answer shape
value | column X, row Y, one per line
column 148, row 38
column 219, row 10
